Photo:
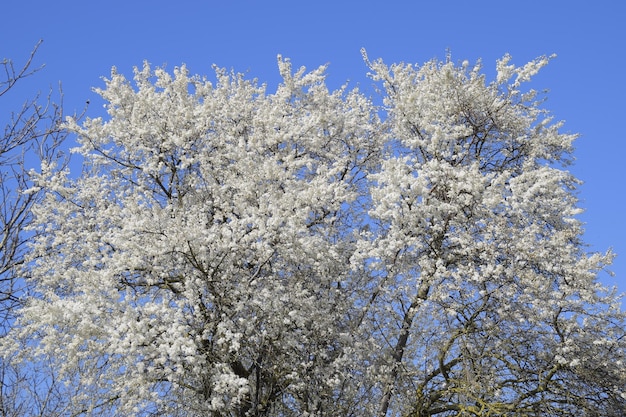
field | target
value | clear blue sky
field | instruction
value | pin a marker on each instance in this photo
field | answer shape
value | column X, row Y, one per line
column 84, row 39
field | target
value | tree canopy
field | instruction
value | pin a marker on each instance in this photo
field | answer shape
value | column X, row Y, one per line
column 232, row 252
column 29, row 134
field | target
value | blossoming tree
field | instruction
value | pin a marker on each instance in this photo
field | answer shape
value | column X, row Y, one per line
column 231, row 252
column 29, row 133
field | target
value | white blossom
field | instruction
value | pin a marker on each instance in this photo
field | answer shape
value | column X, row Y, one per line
column 229, row 251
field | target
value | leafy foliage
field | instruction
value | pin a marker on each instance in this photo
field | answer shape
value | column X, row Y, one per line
column 231, row 252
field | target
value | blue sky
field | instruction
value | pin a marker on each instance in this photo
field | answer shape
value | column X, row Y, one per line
column 587, row 81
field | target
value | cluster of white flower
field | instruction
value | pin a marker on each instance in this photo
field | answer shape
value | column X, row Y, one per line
column 235, row 252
